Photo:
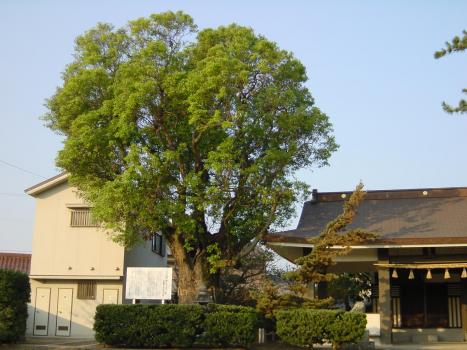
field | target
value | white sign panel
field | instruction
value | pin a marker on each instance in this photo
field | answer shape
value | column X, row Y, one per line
column 149, row 283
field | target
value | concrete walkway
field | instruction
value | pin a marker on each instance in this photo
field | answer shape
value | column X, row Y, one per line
column 426, row 346
column 437, row 346
column 55, row 343
column 43, row 343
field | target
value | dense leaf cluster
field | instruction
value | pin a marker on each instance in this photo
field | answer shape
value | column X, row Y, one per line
column 305, row 327
column 154, row 326
column 14, row 296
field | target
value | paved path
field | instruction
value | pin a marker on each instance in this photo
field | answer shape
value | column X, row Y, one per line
column 44, row 343
column 56, row 343
column 437, row 346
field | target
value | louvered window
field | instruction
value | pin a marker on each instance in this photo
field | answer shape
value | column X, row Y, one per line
column 82, row 218
column 87, row 290
column 454, row 305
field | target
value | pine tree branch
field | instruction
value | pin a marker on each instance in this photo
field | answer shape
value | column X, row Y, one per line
column 334, row 241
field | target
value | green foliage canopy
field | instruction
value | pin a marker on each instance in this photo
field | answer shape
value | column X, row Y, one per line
column 194, row 134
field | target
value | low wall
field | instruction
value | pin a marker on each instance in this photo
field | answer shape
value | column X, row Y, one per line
column 420, row 335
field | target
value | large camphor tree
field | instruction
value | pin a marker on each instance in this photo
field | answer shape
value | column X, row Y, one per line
column 192, row 134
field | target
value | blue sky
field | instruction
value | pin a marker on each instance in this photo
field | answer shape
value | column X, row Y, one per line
column 370, row 66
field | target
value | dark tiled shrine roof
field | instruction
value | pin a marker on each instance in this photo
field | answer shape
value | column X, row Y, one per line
column 420, row 216
column 15, row 261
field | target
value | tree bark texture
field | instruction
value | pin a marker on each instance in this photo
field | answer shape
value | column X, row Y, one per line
column 191, row 273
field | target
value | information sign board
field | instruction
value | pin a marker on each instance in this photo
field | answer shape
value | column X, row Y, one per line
column 149, row 283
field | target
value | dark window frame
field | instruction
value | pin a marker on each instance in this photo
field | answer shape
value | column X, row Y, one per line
column 158, row 244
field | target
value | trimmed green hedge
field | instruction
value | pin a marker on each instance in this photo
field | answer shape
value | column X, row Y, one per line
column 349, row 327
column 229, row 325
column 175, row 325
column 305, row 327
column 148, row 325
column 14, row 296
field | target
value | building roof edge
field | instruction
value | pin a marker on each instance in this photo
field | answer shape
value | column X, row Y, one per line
column 47, row 184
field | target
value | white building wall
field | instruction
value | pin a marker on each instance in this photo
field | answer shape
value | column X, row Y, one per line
column 59, row 249
column 62, row 255
column 82, row 311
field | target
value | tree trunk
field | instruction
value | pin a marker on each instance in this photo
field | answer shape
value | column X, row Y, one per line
column 190, row 279
column 191, row 273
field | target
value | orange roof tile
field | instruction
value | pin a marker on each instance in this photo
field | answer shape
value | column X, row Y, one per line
column 15, row 261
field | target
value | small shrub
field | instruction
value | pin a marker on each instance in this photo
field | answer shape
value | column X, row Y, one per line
column 304, row 327
column 348, row 327
column 229, row 325
column 15, row 292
